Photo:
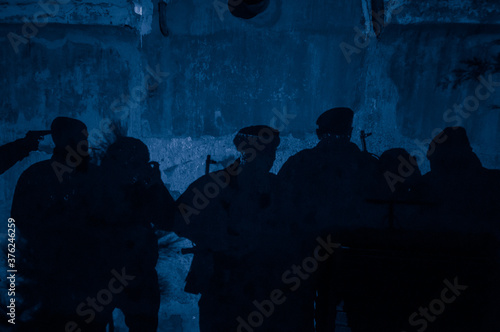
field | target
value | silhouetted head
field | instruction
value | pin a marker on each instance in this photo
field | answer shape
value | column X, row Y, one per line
column 258, row 145
column 336, row 122
column 398, row 162
column 126, row 152
column 70, row 137
column 69, row 132
column 392, row 159
column 127, row 161
column 451, row 149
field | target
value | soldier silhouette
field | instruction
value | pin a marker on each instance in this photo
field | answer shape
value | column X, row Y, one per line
column 377, row 274
column 434, row 271
column 50, row 207
column 230, row 216
column 327, row 190
column 465, row 214
column 463, row 190
column 132, row 197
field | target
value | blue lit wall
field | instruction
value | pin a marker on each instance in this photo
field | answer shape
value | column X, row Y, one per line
column 187, row 93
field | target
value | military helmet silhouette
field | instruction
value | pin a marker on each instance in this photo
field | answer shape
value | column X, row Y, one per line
column 127, row 151
column 336, row 121
column 257, row 136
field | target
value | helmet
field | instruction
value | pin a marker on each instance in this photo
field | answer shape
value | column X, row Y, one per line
column 336, row 121
column 263, row 138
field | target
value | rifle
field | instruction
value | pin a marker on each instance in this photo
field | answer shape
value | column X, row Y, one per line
column 37, row 134
column 363, row 136
column 208, row 163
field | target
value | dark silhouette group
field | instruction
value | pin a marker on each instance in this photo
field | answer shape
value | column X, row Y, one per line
column 86, row 239
column 337, row 229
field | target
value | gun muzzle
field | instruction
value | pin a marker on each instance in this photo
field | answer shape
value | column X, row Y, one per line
column 38, row 134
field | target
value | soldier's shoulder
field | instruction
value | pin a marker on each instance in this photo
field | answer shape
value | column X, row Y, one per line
column 200, row 182
column 364, row 158
column 39, row 167
column 429, row 179
column 38, row 174
column 220, row 177
column 296, row 162
column 302, row 156
column 371, row 156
